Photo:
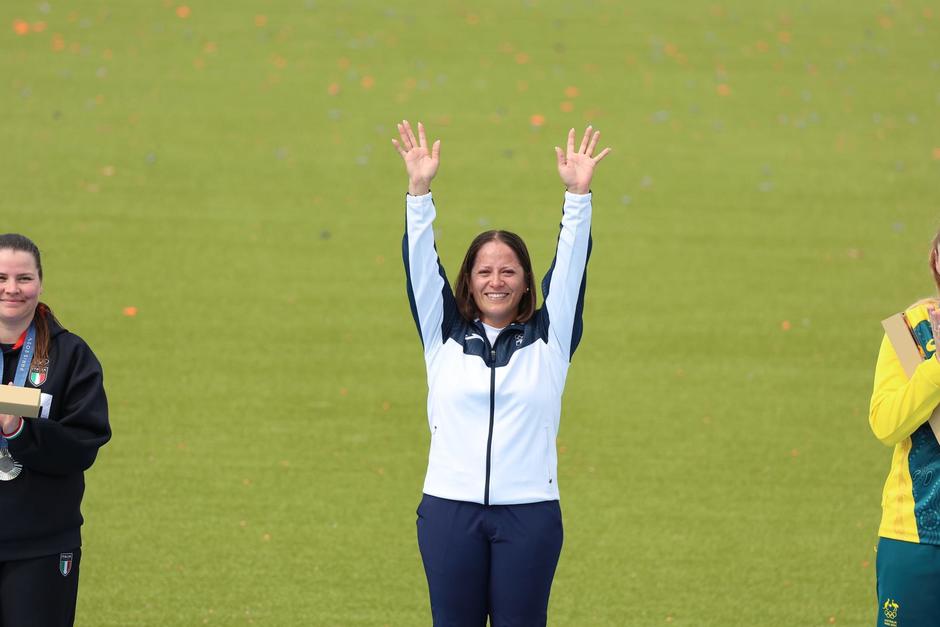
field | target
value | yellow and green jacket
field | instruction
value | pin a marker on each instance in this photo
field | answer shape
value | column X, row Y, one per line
column 900, row 408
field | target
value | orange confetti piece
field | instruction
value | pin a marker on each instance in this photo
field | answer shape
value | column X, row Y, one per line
column 343, row 63
column 522, row 58
column 794, row 453
column 537, row 119
column 723, row 90
column 936, row 153
column 783, row 37
column 762, row 46
column 58, row 43
column 261, row 20
column 367, row 82
column 572, row 92
column 183, row 11
column 210, row 47
column 21, row 27
column 885, row 21
column 39, row 27
column 785, row 325
column 343, row 392
column 332, row 89
column 567, row 106
column 130, row 312
column 386, row 406
column 473, row 19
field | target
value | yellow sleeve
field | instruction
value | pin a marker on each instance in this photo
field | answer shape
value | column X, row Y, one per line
column 898, row 405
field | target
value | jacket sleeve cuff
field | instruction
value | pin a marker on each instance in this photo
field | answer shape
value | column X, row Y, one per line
column 16, row 432
column 421, row 198
column 571, row 196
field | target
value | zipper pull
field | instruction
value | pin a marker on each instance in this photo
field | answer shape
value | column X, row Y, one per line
column 493, row 354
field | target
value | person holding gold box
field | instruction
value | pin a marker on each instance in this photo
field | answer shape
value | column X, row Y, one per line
column 43, row 459
column 908, row 560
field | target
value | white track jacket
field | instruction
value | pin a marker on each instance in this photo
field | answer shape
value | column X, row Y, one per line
column 494, row 410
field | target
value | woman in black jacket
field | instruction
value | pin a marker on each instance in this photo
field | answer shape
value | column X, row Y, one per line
column 43, row 459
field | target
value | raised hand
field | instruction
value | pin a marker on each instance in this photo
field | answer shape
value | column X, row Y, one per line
column 420, row 162
column 576, row 168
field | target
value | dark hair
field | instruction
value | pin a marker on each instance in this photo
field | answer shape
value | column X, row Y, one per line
column 42, row 315
column 462, row 292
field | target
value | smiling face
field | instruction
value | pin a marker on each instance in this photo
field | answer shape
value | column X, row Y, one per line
column 20, row 286
column 497, row 284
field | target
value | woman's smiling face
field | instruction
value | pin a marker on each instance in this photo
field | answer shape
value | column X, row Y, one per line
column 20, row 286
column 497, row 284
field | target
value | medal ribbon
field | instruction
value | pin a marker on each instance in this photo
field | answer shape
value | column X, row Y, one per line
column 22, row 368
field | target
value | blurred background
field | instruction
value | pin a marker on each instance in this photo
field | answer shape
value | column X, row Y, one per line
column 220, row 212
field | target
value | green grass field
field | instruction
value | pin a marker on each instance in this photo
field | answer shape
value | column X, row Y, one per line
column 226, row 169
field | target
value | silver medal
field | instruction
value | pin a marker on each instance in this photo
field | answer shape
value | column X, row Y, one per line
column 9, row 468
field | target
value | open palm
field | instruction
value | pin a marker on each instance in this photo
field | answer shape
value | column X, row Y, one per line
column 576, row 167
column 421, row 163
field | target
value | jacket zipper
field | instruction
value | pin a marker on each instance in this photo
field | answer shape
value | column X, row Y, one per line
column 489, row 437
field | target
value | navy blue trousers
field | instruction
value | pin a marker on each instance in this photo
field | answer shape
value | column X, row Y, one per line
column 35, row 591
column 496, row 561
column 908, row 581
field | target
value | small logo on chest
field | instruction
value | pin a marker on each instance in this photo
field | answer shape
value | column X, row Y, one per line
column 38, row 372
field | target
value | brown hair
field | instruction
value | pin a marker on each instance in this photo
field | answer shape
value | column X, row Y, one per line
column 933, row 260
column 43, row 314
column 462, row 292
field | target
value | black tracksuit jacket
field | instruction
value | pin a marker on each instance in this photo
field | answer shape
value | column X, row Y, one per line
column 40, row 509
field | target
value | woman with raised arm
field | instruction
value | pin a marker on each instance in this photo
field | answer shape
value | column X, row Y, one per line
column 43, row 458
column 489, row 523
